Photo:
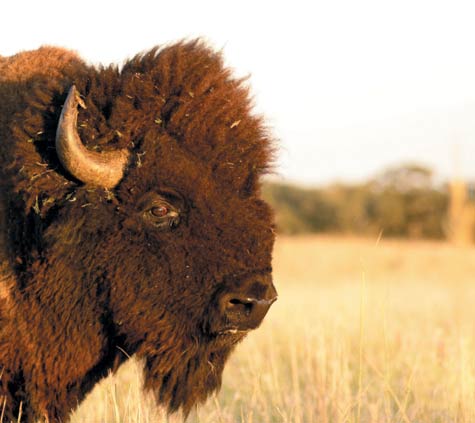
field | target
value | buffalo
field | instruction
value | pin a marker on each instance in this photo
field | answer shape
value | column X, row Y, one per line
column 131, row 223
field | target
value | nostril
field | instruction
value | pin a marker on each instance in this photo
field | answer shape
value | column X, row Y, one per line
column 241, row 305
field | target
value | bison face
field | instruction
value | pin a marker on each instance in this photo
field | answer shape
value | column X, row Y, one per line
column 205, row 250
column 191, row 268
column 184, row 245
column 240, row 302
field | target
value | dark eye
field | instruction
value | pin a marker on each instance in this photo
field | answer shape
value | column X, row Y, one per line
column 162, row 215
column 160, row 211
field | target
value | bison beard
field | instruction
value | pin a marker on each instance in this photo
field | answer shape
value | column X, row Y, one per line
column 166, row 256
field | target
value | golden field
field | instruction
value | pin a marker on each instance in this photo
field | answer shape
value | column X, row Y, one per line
column 364, row 331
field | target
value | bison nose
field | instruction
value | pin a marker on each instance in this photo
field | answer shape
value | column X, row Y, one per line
column 243, row 311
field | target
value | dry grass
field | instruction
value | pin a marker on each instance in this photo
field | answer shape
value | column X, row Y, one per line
column 363, row 332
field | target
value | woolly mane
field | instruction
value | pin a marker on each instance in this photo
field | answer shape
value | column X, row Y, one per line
column 183, row 90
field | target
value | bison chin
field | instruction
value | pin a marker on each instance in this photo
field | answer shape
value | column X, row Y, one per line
column 187, row 381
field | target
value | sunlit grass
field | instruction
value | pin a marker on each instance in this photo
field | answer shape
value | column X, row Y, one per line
column 362, row 332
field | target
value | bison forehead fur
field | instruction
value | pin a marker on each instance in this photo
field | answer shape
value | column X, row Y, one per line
column 146, row 268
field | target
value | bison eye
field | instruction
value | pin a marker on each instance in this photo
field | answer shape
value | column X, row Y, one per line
column 162, row 216
column 159, row 211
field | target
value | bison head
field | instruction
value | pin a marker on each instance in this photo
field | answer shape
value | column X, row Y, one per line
column 157, row 227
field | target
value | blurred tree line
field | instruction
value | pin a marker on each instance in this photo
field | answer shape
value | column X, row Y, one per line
column 401, row 202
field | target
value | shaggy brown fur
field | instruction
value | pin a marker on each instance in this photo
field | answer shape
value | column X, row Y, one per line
column 83, row 277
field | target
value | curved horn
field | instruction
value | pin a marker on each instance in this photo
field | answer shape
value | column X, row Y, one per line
column 100, row 169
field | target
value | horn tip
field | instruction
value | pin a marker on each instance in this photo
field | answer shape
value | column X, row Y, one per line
column 76, row 97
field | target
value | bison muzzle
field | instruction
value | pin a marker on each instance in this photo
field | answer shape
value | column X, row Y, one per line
column 130, row 223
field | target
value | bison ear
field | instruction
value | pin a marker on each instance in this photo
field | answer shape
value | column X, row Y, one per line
column 104, row 169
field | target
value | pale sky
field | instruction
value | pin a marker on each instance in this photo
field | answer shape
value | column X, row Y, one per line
column 349, row 87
